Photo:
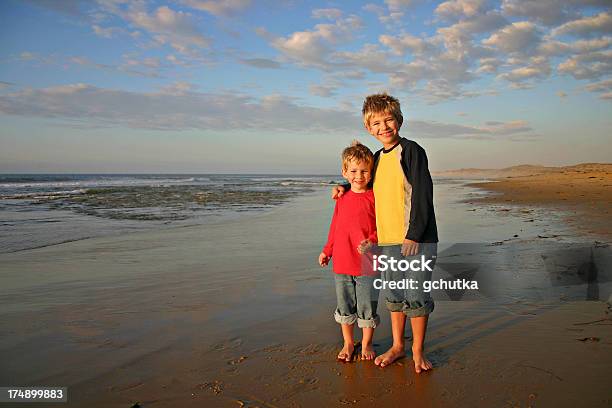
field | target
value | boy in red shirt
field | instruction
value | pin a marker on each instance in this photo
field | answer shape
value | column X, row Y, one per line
column 351, row 234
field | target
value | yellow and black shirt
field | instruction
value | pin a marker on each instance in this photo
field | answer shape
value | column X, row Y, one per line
column 403, row 191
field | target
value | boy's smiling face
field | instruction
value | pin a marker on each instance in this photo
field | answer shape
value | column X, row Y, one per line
column 384, row 127
column 359, row 174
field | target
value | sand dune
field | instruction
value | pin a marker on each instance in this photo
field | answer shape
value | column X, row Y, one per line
column 524, row 170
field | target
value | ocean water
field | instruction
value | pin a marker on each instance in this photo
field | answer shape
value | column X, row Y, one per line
column 46, row 209
column 517, row 252
column 42, row 210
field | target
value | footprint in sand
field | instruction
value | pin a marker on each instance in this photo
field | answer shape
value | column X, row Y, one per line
column 590, row 339
column 214, row 386
column 227, row 345
column 237, row 360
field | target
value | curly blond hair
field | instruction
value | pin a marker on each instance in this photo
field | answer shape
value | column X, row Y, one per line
column 357, row 152
column 381, row 103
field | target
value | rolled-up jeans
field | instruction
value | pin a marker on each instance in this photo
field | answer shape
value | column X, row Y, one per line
column 357, row 300
column 413, row 302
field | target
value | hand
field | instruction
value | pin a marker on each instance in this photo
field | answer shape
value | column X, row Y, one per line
column 323, row 259
column 337, row 192
column 364, row 246
column 410, row 247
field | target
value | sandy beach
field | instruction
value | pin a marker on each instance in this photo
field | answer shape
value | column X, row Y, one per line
column 582, row 194
column 238, row 314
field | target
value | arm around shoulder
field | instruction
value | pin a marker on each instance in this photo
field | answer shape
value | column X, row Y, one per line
column 339, row 190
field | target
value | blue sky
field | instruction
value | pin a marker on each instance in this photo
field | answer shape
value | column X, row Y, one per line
column 276, row 86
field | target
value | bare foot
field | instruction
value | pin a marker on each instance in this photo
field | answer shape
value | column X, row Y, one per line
column 420, row 361
column 367, row 352
column 346, row 354
column 394, row 353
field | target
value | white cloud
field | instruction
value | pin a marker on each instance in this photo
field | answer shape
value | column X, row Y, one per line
column 458, row 43
column 352, row 74
column 399, row 45
column 146, row 67
column 548, row 12
column 27, row 56
column 592, row 65
column 432, row 129
column 180, row 106
column 479, row 42
column 397, row 5
column 218, row 7
column 443, row 62
column 374, row 8
column 261, row 63
column 488, row 65
column 323, row 90
column 516, row 37
column 393, row 17
column 601, row 86
column 370, row 57
column 455, row 9
column 147, row 62
column 108, row 32
column 557, row 48
column 601, row 23
column 178, row 88
column 458, row 38
column 481, row 23
column 537, row 67
column 436, row 90
column 176, row 107
column 179, row 60
column 604, row 88
column 506, row 128
column 164, row 26
column 313, row 47
column 177, row 28
column 327, row 13
column 306, row 47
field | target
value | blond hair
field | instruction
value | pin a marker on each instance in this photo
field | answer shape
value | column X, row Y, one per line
column 357, row 152
column 381, row 103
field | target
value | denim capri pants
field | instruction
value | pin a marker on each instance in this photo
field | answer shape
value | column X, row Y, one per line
column 413, row 302
column 357, row 300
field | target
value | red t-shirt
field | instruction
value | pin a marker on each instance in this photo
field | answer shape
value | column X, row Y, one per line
column 353, row 221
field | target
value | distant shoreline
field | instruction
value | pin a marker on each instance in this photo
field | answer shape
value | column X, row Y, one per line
column 582, row 192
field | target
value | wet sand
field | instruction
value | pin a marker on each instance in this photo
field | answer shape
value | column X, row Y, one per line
column 239, row 314
column 582, row 193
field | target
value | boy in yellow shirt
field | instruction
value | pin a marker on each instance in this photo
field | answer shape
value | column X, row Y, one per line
column 405, row 221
